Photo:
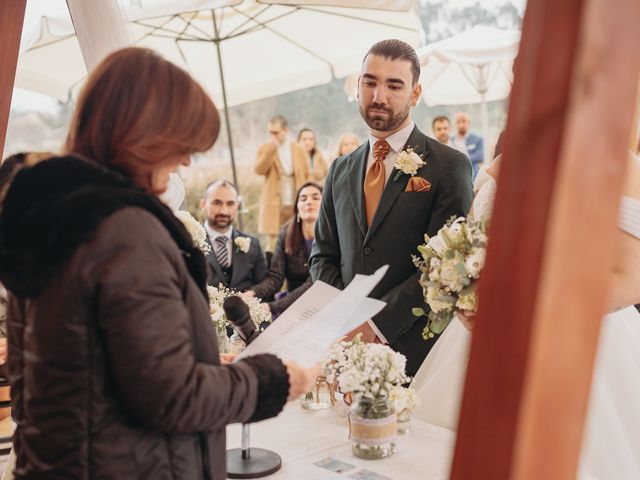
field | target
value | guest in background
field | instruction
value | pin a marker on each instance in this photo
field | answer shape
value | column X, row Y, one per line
column 468, row 143
column 441, row 128
column 348, row 143
column 318, row 171
column 285, row 166
column 236, row 259
column 113, row 361
column 291, row 255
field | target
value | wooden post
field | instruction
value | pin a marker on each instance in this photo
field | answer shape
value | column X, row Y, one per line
column 101, row 28
column 544, row 289
column 11, row 20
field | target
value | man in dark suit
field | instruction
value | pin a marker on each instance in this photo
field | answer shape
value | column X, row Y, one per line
column 374, row 214
column 236, row 259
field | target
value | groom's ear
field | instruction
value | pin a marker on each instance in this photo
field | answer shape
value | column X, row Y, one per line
column 358, row 88
column 416, row 93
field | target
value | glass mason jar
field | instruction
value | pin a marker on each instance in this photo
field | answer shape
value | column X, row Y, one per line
column 404, row 421
column 373, row 428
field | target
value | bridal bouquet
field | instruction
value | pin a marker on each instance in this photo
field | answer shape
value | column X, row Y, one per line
column 365, row 370
column 260, row 313
column 195, row 229
column 450, row 263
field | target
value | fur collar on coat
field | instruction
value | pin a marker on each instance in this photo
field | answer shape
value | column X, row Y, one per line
column 55, row 206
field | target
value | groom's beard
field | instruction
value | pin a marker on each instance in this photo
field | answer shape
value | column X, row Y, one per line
column 383, row 123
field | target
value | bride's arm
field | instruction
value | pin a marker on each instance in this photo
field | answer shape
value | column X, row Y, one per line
column 625, row 282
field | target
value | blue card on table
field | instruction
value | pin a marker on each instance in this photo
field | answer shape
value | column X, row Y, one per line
column 334, row 465
column 367, row 475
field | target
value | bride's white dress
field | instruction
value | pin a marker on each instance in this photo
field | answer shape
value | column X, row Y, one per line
column 611, row 444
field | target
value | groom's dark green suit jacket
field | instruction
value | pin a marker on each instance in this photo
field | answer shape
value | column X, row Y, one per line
column 345, row 246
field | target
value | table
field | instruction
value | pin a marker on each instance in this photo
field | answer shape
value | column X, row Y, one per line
column 302, row 437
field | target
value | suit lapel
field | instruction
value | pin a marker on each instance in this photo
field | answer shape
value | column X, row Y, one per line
column 357, row 166
column 393, row 189
column 236, row 258
column 213, row 261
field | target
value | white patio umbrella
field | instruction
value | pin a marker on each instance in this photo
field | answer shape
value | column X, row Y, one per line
column 240, row 50
column 472, row 67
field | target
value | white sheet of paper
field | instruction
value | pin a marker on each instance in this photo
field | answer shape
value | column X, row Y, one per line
column 322, row 315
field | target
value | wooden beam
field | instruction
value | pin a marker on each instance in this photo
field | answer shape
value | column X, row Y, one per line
column 543, row 292
column 11, row 20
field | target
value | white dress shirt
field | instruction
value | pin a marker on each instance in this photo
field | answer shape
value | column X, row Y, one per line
column 213, row 234
column 396, row 141
column 460, row 143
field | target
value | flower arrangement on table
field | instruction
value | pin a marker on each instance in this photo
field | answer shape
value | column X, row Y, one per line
column 451, row 263
column 405, row 401
column 367, row 373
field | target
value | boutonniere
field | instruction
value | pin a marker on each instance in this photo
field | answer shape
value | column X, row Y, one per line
column 242, row 244
column 408, row 163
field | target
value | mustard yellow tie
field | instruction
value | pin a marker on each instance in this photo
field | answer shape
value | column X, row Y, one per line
column 374, row 181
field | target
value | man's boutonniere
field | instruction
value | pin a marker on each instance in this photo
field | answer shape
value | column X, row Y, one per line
column 408, row 163
column 242, row 244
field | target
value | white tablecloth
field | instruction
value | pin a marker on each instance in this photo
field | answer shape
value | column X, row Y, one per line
column 302, row 437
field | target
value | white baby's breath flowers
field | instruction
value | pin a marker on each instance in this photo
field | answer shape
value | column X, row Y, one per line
column 408, row 162
column 404, row 399
column 195, row 229
column 243, row 243
column 366, row 370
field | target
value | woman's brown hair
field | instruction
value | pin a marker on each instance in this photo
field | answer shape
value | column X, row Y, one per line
column 294, row 237
column 138, row 111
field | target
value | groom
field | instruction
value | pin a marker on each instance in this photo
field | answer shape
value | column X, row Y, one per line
column 373, row 214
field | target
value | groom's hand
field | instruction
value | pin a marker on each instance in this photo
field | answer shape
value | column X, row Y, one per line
column 368, row 335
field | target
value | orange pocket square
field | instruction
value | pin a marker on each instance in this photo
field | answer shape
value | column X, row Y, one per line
column 418, row 184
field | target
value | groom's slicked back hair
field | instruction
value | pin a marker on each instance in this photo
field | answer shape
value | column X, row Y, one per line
column 393, row 49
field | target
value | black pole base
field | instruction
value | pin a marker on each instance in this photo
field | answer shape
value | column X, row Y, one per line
column 260, row 464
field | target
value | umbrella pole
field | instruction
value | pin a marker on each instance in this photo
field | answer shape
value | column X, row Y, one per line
column 226, row 109
column 484, row 115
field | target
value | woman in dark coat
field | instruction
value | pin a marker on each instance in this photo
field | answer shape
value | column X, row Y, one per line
column 290, row 257
column 113, row 361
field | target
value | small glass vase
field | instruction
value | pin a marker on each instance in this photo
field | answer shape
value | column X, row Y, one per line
column 223, row 341
column 373, row 428
column 321, row 397
column 236, row 344
column 404, row 421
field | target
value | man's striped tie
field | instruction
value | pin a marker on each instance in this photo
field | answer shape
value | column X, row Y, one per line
column 221, row 251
